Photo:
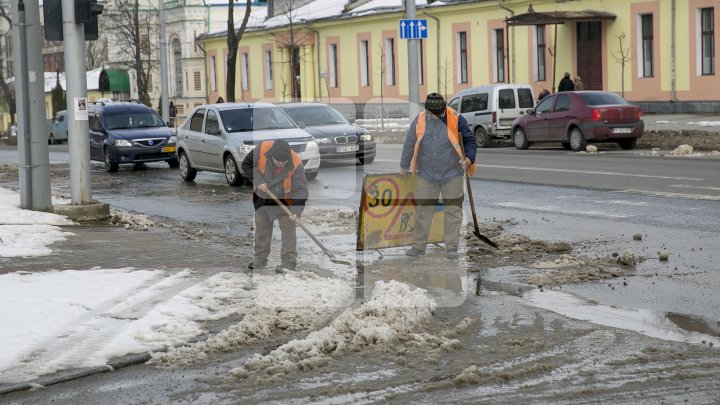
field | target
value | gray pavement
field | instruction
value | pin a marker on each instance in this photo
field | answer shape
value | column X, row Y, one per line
column 676, row 122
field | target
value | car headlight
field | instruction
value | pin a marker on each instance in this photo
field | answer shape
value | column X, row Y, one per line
column 323, row 140
column 366, row 137
column 172, row 139
column 312, row 145
column 122, row 142
column 245, row 149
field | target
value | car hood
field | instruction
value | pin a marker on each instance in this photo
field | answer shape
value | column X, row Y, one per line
column 290, row 135
column 135, row 133
column 334, row 130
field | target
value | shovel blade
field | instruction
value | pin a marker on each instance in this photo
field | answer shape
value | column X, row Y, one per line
column 485, row 239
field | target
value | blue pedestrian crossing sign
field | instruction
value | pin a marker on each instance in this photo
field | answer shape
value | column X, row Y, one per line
column 413, row 29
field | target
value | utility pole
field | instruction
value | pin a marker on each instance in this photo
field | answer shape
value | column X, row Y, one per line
column 164, row 107
column 413, row 80
column 30, row 105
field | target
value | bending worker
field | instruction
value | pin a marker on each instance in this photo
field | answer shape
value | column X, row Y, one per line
column 273, row 166
column 432, row 150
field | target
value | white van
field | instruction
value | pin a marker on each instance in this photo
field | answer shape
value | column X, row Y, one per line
column 490, row 110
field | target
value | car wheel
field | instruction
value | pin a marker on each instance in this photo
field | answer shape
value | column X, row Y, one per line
column 110, row 165
column 186, row 170
column 232, row 174
column 520, row 139
column 482, row 138
column 566, row 145
column 311, row 175
column 577, row 140
column 627, row 144
column 366, row 160
column 173, row 163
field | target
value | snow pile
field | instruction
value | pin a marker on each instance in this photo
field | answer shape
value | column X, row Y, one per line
column 138, row 222
column 291, row 302
column 705, row 123
column 562, row 261
column 390, row 317
column 628, row 258
column 591, row 149
column 25, row 233
column 682, row 150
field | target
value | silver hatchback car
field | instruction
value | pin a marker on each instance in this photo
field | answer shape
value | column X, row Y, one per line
column 217, row 137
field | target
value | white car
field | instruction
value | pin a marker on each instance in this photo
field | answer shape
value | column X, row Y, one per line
column 217, row 137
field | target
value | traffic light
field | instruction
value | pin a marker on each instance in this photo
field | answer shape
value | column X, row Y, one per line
column 86, row 13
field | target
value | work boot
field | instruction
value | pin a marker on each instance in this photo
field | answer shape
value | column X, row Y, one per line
column 414, row 252
column 257, row 264
column 451, row 254
column 284, row 266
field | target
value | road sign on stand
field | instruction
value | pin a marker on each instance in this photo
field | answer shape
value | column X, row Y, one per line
column 413, row 29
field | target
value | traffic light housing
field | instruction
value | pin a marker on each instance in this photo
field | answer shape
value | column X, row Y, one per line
column 86, row 13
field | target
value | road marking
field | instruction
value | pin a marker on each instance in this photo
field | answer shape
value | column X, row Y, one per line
column 698, row 187
column 621, row 202
column 672, row 195
column 560, row 210
column 589, row 172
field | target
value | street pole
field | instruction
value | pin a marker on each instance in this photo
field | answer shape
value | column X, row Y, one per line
column 30, row 105
column 76, row 88
column 164, row 107
column 413, row 87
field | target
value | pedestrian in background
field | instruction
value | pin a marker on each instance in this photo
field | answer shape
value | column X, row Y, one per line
column 578, row 84
column 543, row 93
column 219, row 100
column 566, row 84
column 432, row 150
column 273, row 166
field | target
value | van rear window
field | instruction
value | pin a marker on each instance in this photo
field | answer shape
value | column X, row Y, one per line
column 525, row 98
column 506, row 98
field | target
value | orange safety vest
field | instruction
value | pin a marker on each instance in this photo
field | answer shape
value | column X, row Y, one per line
column 262, row 164
column 452, row 126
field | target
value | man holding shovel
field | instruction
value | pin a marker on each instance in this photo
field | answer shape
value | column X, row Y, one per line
column 439, row 148
column 275, row 170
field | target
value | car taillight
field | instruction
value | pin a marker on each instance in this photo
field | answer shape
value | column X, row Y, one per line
column 494, row 117
column 596, row 116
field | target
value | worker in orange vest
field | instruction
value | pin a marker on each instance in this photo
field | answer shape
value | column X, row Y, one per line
column 273, row 166
column 433, row 150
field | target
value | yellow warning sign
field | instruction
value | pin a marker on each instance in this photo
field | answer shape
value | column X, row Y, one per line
column 387, row 213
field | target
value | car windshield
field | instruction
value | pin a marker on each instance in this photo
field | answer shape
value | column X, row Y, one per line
column 255, row 119
column 127, row 120
column 593, row 99
column 316, row 115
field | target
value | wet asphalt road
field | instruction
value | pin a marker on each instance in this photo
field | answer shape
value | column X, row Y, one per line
column 594, row 212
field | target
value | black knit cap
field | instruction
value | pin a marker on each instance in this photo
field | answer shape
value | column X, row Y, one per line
column 280, row 151
column 435, row 103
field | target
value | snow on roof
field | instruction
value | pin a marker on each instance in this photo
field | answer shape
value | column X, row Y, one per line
column 92, row 80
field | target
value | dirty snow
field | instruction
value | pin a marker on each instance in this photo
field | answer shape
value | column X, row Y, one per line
column 682, row 150
column 591, row 149
column 26, row 233
column 562, row 261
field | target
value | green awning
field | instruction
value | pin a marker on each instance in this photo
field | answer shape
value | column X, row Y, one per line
column 113, row 80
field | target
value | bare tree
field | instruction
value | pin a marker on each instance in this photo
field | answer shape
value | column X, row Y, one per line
column 133, row 30
column 622, row 56
column 446, row 74
column 381, row 53
column 290, row 40
column 8, row 95
column 96, row 53
column 233, row 40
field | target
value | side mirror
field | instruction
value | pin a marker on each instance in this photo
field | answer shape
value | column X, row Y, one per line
column 351, row 120
column 301, row 124
column 169, row 124
column 530, row 111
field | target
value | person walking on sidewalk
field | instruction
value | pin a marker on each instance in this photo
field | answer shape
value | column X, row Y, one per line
column 566, row 83
column 273, row 166
column 433, row 151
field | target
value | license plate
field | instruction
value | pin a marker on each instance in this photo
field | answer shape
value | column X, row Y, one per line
column 622, row 130
column 349, row 148
column 168, row 149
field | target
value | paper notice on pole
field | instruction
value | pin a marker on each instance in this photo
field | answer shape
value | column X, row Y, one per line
column 80, row 105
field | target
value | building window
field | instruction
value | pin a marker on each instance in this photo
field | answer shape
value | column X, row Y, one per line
column 707, row 33
column 333, row 82
column 390, row 61
column 364, row 64
column 462, row 75
column 421, row 71
column 213, row 74
column 197, row 81
column 646, row 27
column 540, row 48
column 244, row 70
column 187, row 82
column 268, row 70
column 499, row 39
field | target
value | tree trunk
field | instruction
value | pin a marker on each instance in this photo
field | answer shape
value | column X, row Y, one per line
column 233, row 41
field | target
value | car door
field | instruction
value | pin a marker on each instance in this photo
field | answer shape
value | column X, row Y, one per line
column 193, row 136
column 506, row 107
column 558, row 118
column 536, row 124
column 97, row 136
column 213, row 141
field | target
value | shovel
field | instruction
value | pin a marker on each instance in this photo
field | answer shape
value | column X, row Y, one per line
column 332, row 257
column 476, row 232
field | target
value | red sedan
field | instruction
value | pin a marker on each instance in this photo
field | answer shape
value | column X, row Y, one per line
column 579, row 117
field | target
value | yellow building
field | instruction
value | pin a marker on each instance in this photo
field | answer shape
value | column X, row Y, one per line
column 658, row 53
